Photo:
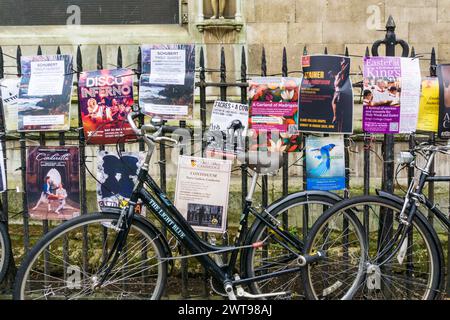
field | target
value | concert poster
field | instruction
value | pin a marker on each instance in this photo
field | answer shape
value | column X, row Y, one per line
column 428, row 118
column 10, row 94
column 273, row 114
column 166, row 86
column 443, row 72
column 45, row 93
column 326, row 95
column 106, row 98
column 53, row 182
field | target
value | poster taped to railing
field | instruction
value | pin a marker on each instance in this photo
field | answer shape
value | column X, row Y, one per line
column 53, row 182
column 443, row 72
column 10, row 95
column 325, row 163
column 201, row 192
column 391, row 92
column 227, row 130
column 326, row 95
column 273, row 114
column 45, row 93
column 167, row 82
column 428, row 118
column 116, row 177
column 106, row 98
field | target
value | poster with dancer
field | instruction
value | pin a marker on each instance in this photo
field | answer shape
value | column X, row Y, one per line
column 10, row 94
column 274, row 112
column 391, row 90
column 106, row 98
column 53, row 182
column 227, row 130
column 325, row 163
column 167, row 82
column 201, row 192
column 3, row 185
column 443, row 72
column 45, row 93
column 116, row 177
column 326, row 95
column 428, row 117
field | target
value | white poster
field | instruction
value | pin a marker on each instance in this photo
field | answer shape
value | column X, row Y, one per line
column 201, row 192
column 10, row 94
column 410, row 94
column 47, row 78
column 168, row 66
column 3, row 186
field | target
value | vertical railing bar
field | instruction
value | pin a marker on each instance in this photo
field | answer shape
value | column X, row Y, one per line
column 285, row 167
column 265, row 180
column 367, row 146
column 244, row 172
column 119, row 65
column 305, row 215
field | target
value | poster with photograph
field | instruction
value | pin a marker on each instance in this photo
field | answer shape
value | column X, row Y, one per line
column 166, row 86
column 3, row 185
column 428, row 118
column 326, row 95
column 116, row 177
column 10, row 94
column 325, row 163
column 45, row 93
column 391, row 94
column 53, row 182
column 201, row 192
column 443, row 72
column 274, row 111
column 227, row 130
column 106, row 98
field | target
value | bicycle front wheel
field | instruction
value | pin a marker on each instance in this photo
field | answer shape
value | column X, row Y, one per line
column 5, row 250
column 66, row 263
column 377, row 266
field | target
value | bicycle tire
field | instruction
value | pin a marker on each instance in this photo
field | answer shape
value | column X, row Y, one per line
column 83, row 221
column 5, row 248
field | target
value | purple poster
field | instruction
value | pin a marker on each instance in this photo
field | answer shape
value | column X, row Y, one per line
column 381, row 106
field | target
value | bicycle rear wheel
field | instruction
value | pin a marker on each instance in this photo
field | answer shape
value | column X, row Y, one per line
column 5, row 250
column 65, row 264
column 377, row 266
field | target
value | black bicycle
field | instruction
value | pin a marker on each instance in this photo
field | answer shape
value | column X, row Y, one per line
column 118, row 254
column 5, row 250
column 400, row 256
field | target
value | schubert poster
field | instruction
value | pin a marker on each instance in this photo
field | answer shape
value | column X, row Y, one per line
column 443, row 72
column 391, row 93
column 45, row 93
column 326, row 95
column 201, row 192
column 52, row 176
column 106, row 98
column 167, row 84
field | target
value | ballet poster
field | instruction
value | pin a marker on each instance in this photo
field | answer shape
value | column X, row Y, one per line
column 45, row 93
column 166, row 86
column 326, row 95
column 116, row 177
column 391, row 92
column 443, row 72
column 106, row 98
column 53, row 183
column 273, row 114
column 325, row 163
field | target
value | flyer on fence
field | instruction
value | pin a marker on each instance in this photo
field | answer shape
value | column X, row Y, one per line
column 167, row 82
column 443, row 72
column 391, row 94
column 227, row 130
column 116, row 177
column 326, row 95
column 53, row 182
column 201, row 192
column 106, row 98
column 325, row 163
column 10, row 94
column 274, row 111
column 428, row 118
column 3, row 185
column 45, row 93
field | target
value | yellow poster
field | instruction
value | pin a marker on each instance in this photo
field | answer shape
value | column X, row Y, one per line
column 429, row 105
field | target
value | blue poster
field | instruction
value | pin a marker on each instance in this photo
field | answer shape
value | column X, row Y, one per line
column 325, row 163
